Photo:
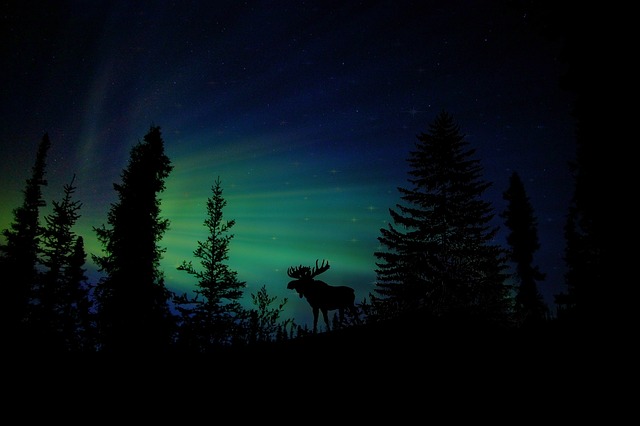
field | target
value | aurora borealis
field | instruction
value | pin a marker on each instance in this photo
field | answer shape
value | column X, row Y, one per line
column 305, row 110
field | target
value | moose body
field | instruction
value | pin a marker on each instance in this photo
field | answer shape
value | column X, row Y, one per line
column 321, row 296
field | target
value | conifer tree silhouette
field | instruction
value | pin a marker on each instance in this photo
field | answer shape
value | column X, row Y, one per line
column 64, row 308
column 530, row 308
column 214, row 317
column 132, row 300
column 19, row 255
column 585, row 228
column 440, row 257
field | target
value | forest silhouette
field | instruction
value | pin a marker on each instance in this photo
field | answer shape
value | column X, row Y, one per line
column 439, row 276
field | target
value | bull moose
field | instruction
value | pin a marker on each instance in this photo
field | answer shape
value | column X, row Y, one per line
column 321, row 296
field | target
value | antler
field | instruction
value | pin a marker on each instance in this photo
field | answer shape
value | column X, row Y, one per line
column 317, row 270
column 299, row 272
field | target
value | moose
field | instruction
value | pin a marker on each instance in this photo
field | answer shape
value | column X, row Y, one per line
column 321, row 296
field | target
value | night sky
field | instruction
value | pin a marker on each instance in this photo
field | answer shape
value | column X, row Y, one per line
column 307, row 111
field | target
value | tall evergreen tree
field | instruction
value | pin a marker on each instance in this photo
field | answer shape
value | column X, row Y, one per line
column 583, row 250
column 19, row 255
column 214, row 316
column 79, row 327
column 530, row 307
column 132, row 300
column 590, row 297
column 64, row 308
column 440, row 257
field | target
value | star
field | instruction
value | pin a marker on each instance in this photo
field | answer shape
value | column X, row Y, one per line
column 413, row 111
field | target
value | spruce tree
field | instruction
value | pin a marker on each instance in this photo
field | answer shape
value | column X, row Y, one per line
column 583, row 303
column 583, row 266
column 590, row 297
column 79, row 327
column 64, row 309
column 214, row 317
column 439, row 257
column 132, row 300
column 530, row 308
column 19, row 255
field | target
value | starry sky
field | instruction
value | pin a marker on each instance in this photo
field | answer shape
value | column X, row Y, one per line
column 307, row 111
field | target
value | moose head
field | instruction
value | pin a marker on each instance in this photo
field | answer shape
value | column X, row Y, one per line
column 321, row 296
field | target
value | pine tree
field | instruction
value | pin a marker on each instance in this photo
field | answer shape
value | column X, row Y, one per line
column 585, row 303
column 132, row 300
column 582, row 257
column 64, row 308
column 440, row 258
column 79, row 328
column 523, row 240
column 19, row 258
column 214, row 316
column 589, row 297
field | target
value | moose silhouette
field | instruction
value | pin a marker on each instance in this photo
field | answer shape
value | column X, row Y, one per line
column 321, row 296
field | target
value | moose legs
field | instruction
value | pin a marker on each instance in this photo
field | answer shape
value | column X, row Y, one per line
column 316, row 312
column 325, row 316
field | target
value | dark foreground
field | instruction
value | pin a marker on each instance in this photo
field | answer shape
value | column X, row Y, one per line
column 403, row 357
